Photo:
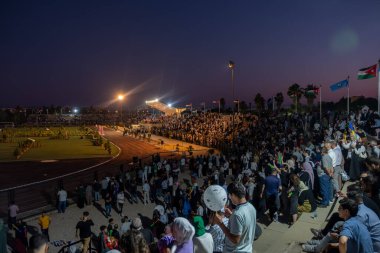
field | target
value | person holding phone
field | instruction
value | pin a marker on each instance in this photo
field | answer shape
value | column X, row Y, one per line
column 240, row 232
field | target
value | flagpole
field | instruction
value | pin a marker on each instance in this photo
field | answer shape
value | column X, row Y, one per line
column 348, row 96
column 320, row 104
column 378, row 87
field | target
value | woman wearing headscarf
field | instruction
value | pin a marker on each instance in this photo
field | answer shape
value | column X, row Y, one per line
column 203, row 241
column 306, row 201
column 166, row 241
column 307, row 175
column 183, row 233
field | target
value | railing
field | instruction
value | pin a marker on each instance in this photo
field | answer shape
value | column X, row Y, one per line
column 32, row 197
column 64, row 248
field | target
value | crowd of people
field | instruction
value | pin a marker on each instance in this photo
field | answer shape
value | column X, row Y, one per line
column 273, row 167
column 209, row 129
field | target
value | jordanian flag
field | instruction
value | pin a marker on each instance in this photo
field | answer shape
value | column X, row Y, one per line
column 367, row 73
column 314, row 91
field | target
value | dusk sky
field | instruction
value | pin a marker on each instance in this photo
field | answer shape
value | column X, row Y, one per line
column 82, row 53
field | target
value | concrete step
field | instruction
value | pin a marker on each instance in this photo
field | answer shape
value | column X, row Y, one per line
column 278, row 237
column 291, row 241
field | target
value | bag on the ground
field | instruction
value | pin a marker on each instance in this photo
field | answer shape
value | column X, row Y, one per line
column 305, row 208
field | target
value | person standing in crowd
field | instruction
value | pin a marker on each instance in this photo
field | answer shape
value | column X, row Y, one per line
column 108, row 204
column 120, row 202
column 133, row 241
column 102, row 240
column 88, row 194
column 202, row 240
column 96, row 188
column 62, row 200
column 21, row 235
column 338, row 167
column 325, row 175
column 335, row 175
column 240, row 232
column 44, row 221
column 12, row 212
column 183, row 233
column 165, row 243
column 38, row 244
column 217, row 233
column 147, row 233
column 81, row 196
column 272, row 188
column 104, row 185
column 146, row 190
column 125, row 225
column 84, row 229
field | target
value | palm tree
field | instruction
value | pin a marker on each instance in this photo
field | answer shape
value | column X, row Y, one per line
column 243, row 106
column 259, row 101
column 279, row 99
column 310, row 95
column 270, row 103
column 295, row 93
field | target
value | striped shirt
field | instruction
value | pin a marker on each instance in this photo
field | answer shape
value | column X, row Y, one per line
column 218, row 235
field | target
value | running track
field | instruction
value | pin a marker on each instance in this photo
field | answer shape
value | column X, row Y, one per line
column 44, row 194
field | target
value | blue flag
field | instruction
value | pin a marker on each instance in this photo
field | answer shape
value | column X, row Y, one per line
column 339, row 85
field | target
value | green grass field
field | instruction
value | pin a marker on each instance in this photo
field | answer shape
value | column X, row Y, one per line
column 73, row 148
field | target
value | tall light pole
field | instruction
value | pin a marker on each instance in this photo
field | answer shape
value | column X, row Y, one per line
column 320, row 104
column 217, row 102
column 121, row 98
column 231, row 66
column 237, row 101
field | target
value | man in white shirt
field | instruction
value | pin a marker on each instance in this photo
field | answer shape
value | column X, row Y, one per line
column 339, row 164
column 62, row 199
column 183, row 163
column 146, row 190
column 13, row 210
column 297, row 153
column 200, row 168
column 120, row 202
column 125, row 225
column 226, row 167
column 334, row 158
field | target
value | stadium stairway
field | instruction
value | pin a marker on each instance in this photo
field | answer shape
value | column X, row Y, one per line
column 279, row 238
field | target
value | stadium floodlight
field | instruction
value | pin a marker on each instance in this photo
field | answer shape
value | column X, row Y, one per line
column 75, row 110
column 170, row 105
column 151, row 101
column 120, row 97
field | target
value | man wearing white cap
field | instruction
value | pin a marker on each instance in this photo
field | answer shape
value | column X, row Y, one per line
column 240, row 231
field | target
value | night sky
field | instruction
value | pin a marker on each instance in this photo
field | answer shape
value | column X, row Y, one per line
column 82, row 53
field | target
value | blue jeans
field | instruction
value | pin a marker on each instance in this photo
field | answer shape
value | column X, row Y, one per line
column 61, row 206
column 108, row 208
column 97, row 196
column 325, row 186
column 331, row 195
